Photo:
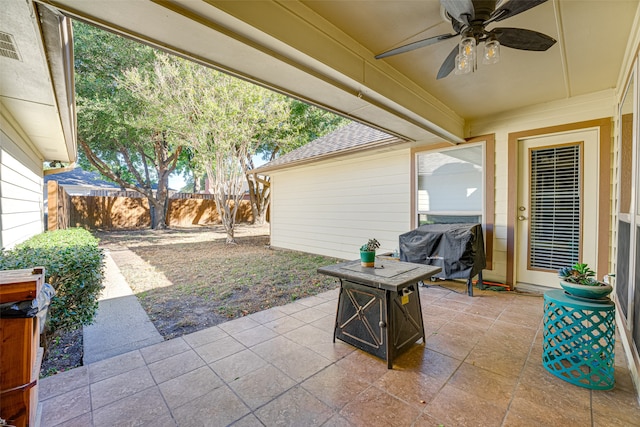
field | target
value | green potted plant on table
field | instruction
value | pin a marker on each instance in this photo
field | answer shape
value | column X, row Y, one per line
column 368, row 253
column 580, row 281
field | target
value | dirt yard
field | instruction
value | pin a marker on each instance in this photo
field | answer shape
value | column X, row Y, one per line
column 189, row 279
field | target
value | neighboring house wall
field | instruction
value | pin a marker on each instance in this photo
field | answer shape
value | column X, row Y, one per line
column 21, row 186
column 333, row 207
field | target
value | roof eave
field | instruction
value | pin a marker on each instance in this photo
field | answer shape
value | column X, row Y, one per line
column 264, row 170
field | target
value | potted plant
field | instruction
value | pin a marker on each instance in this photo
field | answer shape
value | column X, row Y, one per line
column 580, row 281
column 368, row 253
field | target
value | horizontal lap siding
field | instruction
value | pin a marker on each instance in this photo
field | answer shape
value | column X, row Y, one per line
column 333, row 207
column 21, row 214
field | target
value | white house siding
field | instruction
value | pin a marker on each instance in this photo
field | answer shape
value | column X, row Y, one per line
column 21, row 211
column 334, row 206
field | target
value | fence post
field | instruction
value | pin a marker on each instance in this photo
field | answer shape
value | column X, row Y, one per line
column 52, row 205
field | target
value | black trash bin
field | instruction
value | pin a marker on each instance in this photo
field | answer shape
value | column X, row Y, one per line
column 456, row 248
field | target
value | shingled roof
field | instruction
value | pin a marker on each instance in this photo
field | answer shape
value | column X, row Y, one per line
column 352, row 137
column 78, row 176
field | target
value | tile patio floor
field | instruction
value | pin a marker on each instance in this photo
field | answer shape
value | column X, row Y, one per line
column 481, row 366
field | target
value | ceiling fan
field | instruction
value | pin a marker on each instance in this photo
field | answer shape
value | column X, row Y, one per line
column 469, row 19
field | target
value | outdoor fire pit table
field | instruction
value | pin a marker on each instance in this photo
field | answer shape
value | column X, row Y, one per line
column 379, row 308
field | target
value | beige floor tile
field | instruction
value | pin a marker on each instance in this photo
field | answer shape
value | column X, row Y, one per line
column 479, row 322
column 413, row 388
column 144, row 408
column 248, row 421
column 313, row 301
column 66, row 406
column 120, row 386
column 332, row 294
column 309, row 335
column 329, row 307
column 326, row 323
column 275, row 348
column 63, row 382
column 174, row 366
column 237, row 365
column 238, row 325
column 103, row 369
column 335, row 386
column 185, row 388
column 456, row 347
column 268, row 315
column 164, row 349
column 83, row 420
column 618, row 404
column 292, row 308
column 219, row 349
column 532, row 406
column 284, row 324
column 503, row 357
column 296, row 407
column 301, row 363
column 308, row 315
column 489, row 312
column 333, row 351
column 454, row 407
column 254, row 336
column 262, row 385
column 364, row 366
column 530, row 320
column 205, row 336
column 429, row 362
column 220, row 407
column 337, row 421
column 374, row 407
column 483, row 383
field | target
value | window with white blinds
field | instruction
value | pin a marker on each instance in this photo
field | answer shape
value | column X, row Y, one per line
column 555, row 207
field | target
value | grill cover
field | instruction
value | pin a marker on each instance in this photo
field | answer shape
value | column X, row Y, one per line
column 457, row 248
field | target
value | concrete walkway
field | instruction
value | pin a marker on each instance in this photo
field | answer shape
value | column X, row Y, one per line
column 121, row 323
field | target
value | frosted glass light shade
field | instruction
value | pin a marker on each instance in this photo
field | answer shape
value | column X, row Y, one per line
column 491, row 52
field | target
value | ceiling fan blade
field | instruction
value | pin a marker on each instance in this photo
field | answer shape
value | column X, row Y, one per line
column 448, row 65
column 519, row 38
column 415, row 45
column 460, row 10
column 511, row 8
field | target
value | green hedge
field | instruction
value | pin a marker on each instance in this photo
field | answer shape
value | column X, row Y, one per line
column 74, row 266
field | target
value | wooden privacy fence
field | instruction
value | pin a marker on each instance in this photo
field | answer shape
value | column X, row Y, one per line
column 111, row 213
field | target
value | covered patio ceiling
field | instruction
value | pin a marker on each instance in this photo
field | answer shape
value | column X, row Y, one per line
column 323, row 52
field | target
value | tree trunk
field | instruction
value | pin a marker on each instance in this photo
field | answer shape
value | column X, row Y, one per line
column 259, row 196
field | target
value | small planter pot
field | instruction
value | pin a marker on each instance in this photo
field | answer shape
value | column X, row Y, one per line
column 584, row 291
column 367, row 258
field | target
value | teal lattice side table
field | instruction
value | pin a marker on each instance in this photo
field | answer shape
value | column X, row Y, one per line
column 579, row 340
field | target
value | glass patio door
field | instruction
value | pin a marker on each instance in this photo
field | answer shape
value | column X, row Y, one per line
column 556, row 218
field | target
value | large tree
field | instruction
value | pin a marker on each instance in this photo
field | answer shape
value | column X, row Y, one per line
column 124, row 134
column 225, row 116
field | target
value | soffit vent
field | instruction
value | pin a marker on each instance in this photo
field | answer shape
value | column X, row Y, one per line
column 8, row 46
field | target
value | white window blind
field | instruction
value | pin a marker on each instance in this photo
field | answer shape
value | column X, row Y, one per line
column 555, row 207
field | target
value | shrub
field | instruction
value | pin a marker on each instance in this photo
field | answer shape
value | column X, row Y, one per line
column 73, row 266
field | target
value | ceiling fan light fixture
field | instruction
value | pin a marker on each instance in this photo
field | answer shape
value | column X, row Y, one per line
column 467, row 47
column 491, row 52
column 463, row 65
